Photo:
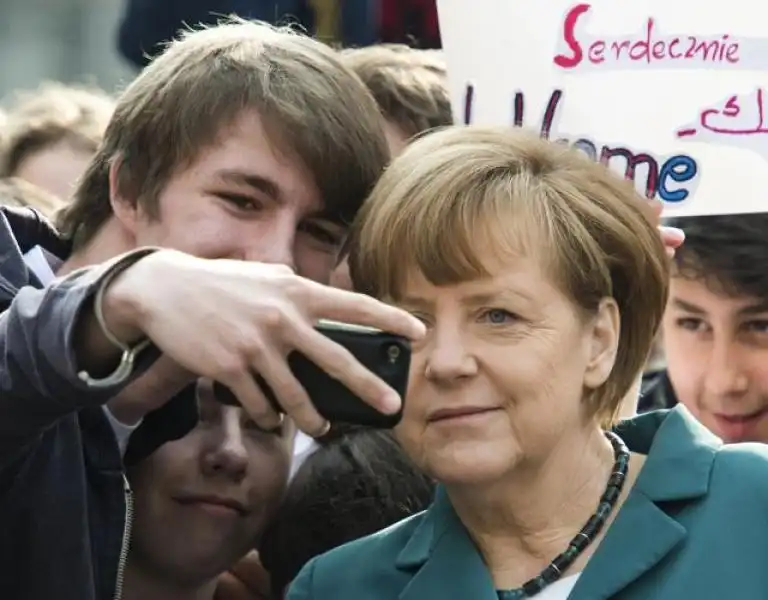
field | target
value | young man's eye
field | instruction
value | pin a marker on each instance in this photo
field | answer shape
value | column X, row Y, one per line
column 240, row 201
column 757, row 326
column 324, row 235
column 690, row 324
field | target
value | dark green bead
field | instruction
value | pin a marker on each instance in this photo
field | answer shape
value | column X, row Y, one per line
column 603, row 511
column 534, row 586
column 611, row 495
column 511, row 594
column 616, row 480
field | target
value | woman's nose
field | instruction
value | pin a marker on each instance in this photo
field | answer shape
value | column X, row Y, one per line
column 448, row 358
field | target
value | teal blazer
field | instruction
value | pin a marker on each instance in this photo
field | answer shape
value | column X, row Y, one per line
column 694, row 526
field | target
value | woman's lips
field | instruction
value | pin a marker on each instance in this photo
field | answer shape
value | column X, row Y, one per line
column 459, row 413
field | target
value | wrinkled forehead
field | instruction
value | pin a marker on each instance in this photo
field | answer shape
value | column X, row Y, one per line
column 505, row 278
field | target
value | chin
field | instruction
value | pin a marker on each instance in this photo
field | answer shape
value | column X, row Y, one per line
column 469, row 464
column 207, row 564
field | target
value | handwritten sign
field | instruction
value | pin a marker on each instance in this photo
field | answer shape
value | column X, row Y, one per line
column 672, row 94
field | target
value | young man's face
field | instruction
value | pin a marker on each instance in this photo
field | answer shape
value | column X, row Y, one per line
column 202, row 501
column 242, row 199
column 717, row 356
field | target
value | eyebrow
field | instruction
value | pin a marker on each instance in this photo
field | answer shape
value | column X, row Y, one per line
column 258, row 183
column 270, row 188
column 493, row 297
column 477, row 299
column 688, row 307
column 407, row 302
column 754, row 308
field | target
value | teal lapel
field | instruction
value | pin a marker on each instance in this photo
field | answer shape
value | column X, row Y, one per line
column 680, row 457
column 444, row 559
column 446, row 564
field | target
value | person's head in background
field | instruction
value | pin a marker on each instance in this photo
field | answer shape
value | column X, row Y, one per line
column 52, row 133
column 358, row 482
column 715, row 329
column 20, row 193
column 411, row 90
column 239, row 141
column 202, row 501
column 409, row 85
column 3, row 129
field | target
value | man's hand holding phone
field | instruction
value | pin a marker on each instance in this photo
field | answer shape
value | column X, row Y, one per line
column 226, row 320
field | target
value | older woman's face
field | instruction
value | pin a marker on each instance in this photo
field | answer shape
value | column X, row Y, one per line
column 499, row 381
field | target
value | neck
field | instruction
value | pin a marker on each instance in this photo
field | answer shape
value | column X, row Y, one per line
column 140, row 584
column 110, row 241
column 523, row 521
column 629, row 404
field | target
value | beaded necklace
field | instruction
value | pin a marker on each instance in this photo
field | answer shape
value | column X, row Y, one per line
column 588, row 533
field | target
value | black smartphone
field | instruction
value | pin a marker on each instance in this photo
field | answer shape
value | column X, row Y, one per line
column 386, row 355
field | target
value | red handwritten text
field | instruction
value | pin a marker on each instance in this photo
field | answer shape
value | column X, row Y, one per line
column 648, row 47
column 738, row 116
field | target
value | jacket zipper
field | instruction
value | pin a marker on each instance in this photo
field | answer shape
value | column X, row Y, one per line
column 120, row 579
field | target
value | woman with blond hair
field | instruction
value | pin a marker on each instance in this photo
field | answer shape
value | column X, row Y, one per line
column 542, row 281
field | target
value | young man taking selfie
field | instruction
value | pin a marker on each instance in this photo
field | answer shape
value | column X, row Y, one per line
column 239, row 143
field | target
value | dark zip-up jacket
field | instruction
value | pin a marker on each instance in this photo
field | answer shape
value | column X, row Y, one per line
column 62, row 500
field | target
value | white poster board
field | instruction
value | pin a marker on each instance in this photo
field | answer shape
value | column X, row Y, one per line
column 673, row 93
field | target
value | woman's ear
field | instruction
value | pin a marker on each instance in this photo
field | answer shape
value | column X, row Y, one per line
column 604, row 343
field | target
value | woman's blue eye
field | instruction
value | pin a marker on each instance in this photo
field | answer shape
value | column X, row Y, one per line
column 497, row 316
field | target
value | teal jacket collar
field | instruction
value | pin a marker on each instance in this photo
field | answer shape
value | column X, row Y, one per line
column 680, row 455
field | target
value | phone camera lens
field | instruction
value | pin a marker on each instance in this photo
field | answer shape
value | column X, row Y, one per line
column 393, row 353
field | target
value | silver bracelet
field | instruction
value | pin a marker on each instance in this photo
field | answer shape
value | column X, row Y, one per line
column 129, row 354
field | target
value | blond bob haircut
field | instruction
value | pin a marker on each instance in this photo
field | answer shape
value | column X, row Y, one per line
column 409, row 85
column 54, row 114
column 314, row 109
column 458, row 190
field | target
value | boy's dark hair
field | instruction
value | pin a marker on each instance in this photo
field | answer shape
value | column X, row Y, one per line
column 358, row 482
column 727, row 252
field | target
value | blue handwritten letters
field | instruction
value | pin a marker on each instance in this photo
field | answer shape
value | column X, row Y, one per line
column 671, row 179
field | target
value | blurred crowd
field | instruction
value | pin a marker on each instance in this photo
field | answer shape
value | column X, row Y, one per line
column 349, row 23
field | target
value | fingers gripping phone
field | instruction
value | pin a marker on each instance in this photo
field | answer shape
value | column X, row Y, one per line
column 386, row 355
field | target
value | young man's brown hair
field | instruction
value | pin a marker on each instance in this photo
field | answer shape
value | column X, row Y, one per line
column 409, row 85
column 52, row 114
column 314, row 108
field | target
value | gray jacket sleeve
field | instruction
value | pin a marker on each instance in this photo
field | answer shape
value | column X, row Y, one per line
column 39, row 381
